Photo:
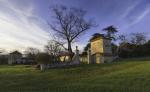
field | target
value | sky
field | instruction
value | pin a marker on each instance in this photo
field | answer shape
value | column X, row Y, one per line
column 23, row 23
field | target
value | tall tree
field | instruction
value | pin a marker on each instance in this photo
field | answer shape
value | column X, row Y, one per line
column 69, row 23
column 110, row 31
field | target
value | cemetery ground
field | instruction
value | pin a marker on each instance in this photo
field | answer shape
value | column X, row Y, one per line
column 130, row 75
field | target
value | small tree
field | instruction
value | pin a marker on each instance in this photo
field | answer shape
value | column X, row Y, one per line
column 69, row 23
column 53, row 47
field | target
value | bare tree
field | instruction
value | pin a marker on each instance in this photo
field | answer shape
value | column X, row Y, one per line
column 69, row 23
column 122, row 38
column 31, row 50
column 138, row 38
column 53, row 47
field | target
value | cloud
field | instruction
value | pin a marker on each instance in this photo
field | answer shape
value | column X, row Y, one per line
column 135, row 13
column 21, row 27
column 130, row 9
column 140, row 16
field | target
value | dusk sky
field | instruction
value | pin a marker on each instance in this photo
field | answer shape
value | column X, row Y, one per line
column 23, row 23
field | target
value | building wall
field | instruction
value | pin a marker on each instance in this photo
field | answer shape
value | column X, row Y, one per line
column 97, row 46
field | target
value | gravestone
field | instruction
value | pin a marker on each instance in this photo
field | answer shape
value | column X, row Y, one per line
column 76, row 58
column 42, row 67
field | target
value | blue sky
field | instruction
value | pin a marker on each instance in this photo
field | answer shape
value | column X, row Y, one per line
column 23, row 23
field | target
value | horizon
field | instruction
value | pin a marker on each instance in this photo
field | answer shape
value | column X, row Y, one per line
column 23, row 23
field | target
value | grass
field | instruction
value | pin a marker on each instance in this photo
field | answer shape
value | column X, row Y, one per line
column 125, row 76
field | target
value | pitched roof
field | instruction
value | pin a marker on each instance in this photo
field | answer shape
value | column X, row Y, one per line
column 98, row 35
column 16, row 52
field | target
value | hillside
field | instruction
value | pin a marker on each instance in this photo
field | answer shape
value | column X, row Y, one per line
column 125, row 76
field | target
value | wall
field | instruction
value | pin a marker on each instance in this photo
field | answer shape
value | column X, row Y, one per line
column 97, row 46
column 99, row 49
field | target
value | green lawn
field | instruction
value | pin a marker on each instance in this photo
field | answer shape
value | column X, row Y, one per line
column 125, row 76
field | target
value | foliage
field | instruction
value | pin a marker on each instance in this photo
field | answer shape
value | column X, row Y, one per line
column 110, row 32
column 133, row 50
column 3, row 59
column 87, row 47
column 43, row 58
column 114, row 48
column 133, row 45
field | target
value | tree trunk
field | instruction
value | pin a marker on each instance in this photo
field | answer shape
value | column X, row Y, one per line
column 69, row 47
column 70, row 51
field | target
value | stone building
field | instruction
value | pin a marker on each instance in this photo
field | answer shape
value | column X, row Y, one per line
column 100, row 49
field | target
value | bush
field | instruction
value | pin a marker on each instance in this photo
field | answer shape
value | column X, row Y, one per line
column 3, row 60
column 128, row 50
column 42, row 58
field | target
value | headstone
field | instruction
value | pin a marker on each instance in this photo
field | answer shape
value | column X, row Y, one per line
column 42, row 67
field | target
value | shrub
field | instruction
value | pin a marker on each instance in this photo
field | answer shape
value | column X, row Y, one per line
column 42, row 58
column 3, row 60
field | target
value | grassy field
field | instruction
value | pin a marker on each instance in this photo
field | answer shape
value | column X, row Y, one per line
column 125, row 76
